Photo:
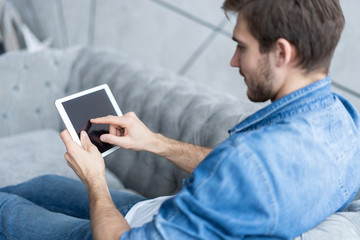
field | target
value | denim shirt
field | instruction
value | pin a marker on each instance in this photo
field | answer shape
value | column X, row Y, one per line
column 281, row 172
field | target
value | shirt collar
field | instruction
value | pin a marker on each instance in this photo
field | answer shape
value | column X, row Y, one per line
column 319, row 86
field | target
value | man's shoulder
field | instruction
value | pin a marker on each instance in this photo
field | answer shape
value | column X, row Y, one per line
column 306, row 119
column 326, row 135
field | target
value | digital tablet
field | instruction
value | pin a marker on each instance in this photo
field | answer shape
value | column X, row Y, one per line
column 76, row 111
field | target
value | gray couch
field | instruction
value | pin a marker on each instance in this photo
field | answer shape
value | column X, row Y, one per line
column 172, row 105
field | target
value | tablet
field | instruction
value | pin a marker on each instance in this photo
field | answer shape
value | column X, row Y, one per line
column 76, row 111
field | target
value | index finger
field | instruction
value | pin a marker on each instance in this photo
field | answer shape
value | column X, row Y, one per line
column 65, row 136
column 67, row 139
column 114, row 120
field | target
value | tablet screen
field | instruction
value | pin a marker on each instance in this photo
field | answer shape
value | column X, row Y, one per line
column 80, row 110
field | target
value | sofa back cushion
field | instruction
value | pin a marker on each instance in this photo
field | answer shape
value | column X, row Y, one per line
column 30, row 83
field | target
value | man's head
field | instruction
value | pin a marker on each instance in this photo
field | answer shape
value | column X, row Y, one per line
column 304, row 31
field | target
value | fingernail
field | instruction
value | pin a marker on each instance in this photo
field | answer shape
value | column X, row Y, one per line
column 83, row 134
column 103, row 138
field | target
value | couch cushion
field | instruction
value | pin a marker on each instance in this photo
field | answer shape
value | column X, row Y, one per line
column 31, row 154
column 342, row 225
column 30, row 84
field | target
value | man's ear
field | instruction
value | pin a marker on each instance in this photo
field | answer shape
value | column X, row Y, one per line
column 284, row 52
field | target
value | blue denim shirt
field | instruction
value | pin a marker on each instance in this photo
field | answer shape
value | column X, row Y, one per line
column 280, row 173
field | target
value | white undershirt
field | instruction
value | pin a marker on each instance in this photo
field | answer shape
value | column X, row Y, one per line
column 144, row 211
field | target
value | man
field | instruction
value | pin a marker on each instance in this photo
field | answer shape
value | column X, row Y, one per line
column 282, row 170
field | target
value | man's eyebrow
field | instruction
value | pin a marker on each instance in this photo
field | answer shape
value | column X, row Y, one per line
column 238, row 41
column 235, row 40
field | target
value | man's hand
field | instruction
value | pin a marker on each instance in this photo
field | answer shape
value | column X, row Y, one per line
column 128, row 132
column 86, row 161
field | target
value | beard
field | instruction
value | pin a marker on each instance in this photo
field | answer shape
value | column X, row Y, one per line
column 260, row 86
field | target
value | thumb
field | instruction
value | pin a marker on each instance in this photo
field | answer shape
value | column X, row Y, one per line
column 112, row 139
column 85, row 140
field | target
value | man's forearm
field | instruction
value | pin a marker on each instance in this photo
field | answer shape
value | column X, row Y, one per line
column 185, row 155
column 106, row 221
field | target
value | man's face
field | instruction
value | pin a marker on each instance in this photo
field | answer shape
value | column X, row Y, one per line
column 253, row 66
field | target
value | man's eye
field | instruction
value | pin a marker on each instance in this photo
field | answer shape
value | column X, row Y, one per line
column 241, row 48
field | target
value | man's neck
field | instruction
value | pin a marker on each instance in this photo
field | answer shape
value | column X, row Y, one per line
column 297, row 80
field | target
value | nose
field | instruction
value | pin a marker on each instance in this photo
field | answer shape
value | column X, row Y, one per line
column 235, row 60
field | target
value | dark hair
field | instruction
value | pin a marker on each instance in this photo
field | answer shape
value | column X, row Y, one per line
column 314, row 27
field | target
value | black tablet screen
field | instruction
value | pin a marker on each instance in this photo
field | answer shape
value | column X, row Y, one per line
column 80, row 110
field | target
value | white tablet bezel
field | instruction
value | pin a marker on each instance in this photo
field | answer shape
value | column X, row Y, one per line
column 66, row 119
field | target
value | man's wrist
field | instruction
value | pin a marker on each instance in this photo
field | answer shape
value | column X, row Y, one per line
column 98, row 182
column 158, row 144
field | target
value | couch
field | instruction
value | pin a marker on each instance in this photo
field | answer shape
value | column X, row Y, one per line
column 167, row 103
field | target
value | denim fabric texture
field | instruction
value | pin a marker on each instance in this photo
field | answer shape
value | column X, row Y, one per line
column 51, row 207
column 281, row 172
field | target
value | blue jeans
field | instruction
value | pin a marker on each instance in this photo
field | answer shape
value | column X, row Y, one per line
column 51, row 207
